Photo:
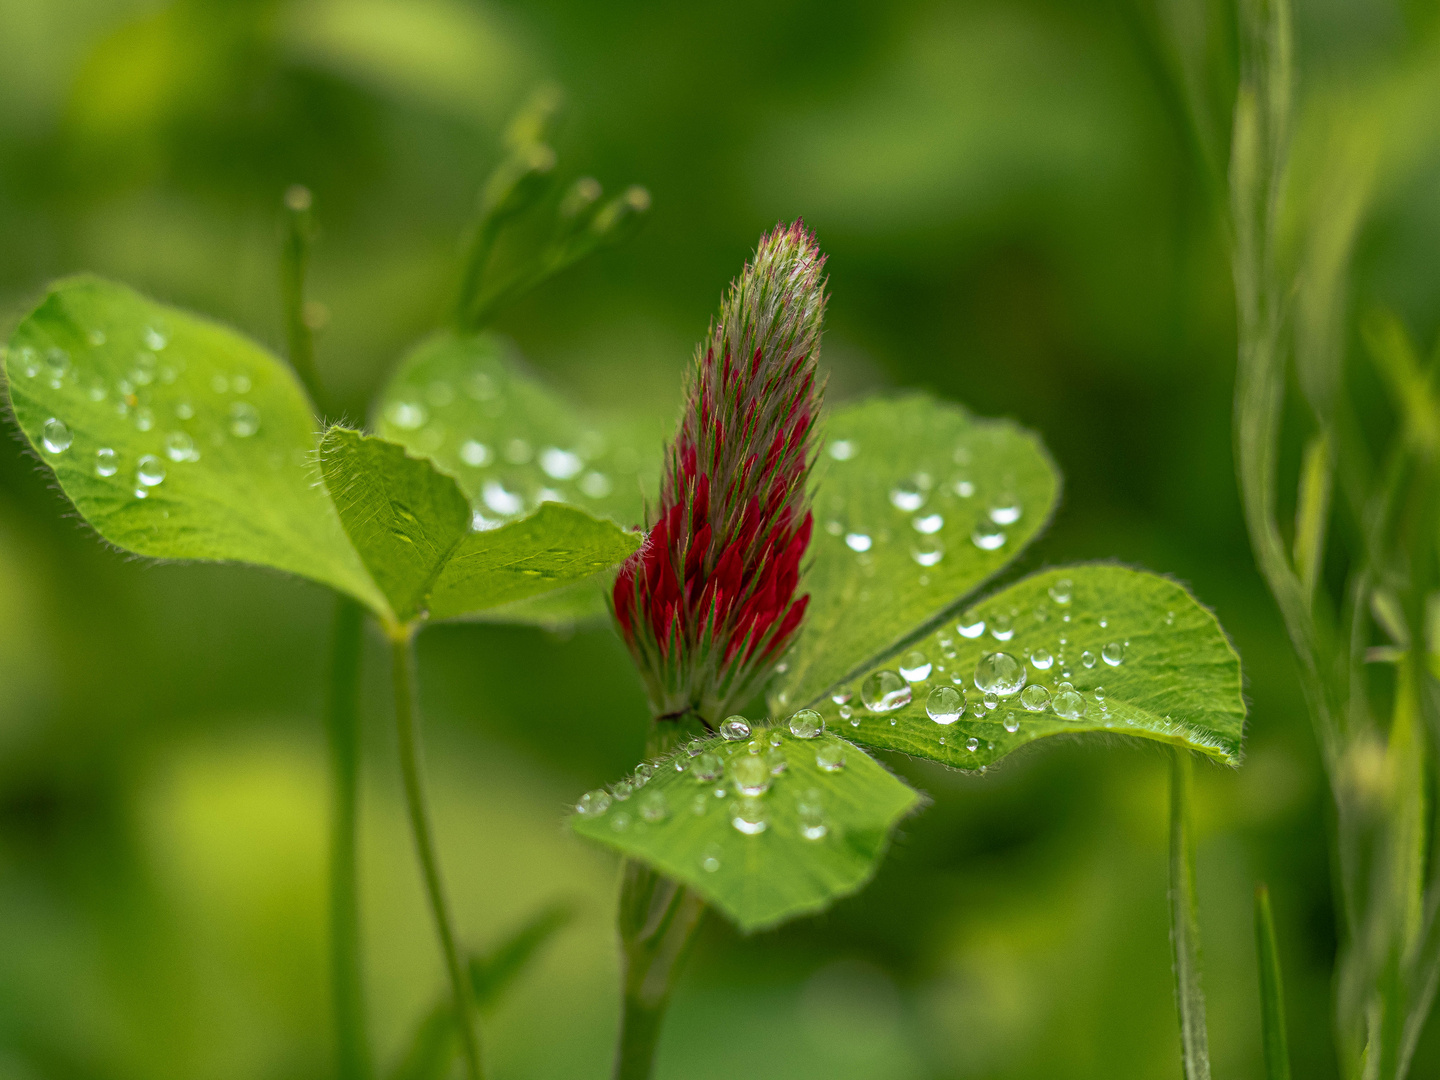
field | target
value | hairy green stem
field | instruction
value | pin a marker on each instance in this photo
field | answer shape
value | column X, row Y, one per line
column 342, row 727
column 1184, row 922
column 294, row 264
column 407, row 721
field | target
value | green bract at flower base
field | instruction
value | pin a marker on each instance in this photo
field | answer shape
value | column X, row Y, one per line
column 918, row 504
column 177, row 438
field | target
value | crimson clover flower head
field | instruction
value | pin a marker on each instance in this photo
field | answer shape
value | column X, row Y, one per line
column 707, row 605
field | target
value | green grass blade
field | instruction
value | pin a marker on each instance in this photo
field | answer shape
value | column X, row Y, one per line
column 1272, row 996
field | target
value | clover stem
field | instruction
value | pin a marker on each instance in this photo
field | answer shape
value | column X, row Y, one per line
column 294, row 264
column 407, row 720
column 342, row 729
column 657, row 920
column 1184, row 922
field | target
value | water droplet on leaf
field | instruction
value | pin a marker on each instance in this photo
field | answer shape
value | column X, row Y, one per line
column 914, row 666
column 944, row 704
column 735, row 728
column 593, row 803
column 55, row 436
column 1114, row 654
column 999, row 673
column 884, row 691
column 806, row 724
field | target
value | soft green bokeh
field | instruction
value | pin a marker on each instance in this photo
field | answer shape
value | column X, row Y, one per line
column 1016, row 220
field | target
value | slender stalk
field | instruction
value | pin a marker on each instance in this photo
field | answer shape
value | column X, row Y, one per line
column 407, row 720
column 1184, row 922
column 1272, row 995
column 342, row 727
column 294, row 264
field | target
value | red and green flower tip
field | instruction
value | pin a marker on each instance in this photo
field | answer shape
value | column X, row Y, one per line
column 708, row 605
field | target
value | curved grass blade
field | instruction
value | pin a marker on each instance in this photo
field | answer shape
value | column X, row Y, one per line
column 1272, row 994
column 814, row 834
column 917, row 504
column 1142, row 656
column 176, row 437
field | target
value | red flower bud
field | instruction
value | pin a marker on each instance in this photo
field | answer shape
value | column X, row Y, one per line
column 707, row 606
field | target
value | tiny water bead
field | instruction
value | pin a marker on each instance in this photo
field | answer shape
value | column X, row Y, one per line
column 811, row 813
column 595, row 485
column 1012, row 722
column 622, row 789
column 144, row 418
column 1001, row 628
column 830, row 757
column 593, row 803
column 928, row 551
column 1062, row 591
column 972, row 744
column 56, row 436
column 1004, row 511
column 999, row 673
column 107, row 462
column 776, row 762
column 1087, row 658
column 971, row 630
column 944, row 704
column 988, row 537
column 806, row 724
column 841, row 697
column 643, row 772
column 407, row 415
column 858, row 541
column 750, row 816
column 710, row 859
column 1035, row 697
column 735, row 728
column 907, row 495
column 1042, row 660
column 620, row 821
column 750, row 774
column 475, row 454
column 244, row 419
column 1068, row 705
column 707, row 767
column 150, row 470
column 884, row 691
column 560, row 464
column 928, row 524
column 915, row 667
column 990, row 699
column 180, row 447
column 1113, row 654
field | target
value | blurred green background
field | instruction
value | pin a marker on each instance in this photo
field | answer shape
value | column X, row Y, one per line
column 1016, row 218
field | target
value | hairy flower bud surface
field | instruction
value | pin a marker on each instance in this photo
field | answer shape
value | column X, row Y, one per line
column 707, row 606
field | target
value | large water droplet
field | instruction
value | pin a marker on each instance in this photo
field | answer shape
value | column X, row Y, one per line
column 971, row 630
column 750, row 816
column 707, row 768
column 907, row 495
column 1113, row 654
column 150, row 470
column 928, row 524
column 750, row 774
column 107, row 462
column 244, row 419
column 988, row 537
column 1068, row 705
column 999, row 673
column 928, row 550
column 885, row 691
column 55, row 436
column 806, row 724
column 735, row 728
column 830, row 757
column 593, row 803
column 945, row 704
column 1035, row 697
column 857, row 541
column 1062, row 591
column 180, row 447
column 914, row 666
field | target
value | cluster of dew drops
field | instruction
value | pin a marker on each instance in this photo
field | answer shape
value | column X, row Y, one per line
column 924, row 500
column 1000, row 680
column 515, row 475
column 131, row 396
column 740, row 776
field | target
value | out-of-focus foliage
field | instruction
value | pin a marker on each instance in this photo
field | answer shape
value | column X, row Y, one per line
column 1017, row 217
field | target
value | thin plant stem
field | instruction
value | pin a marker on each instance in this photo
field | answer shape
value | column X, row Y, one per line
column 407, row 721
column 342, row 724
column 1184, row 922
column 342, row 727
column 1272, row 995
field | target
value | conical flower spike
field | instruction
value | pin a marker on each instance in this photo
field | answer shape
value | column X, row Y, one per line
column 708, row 605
